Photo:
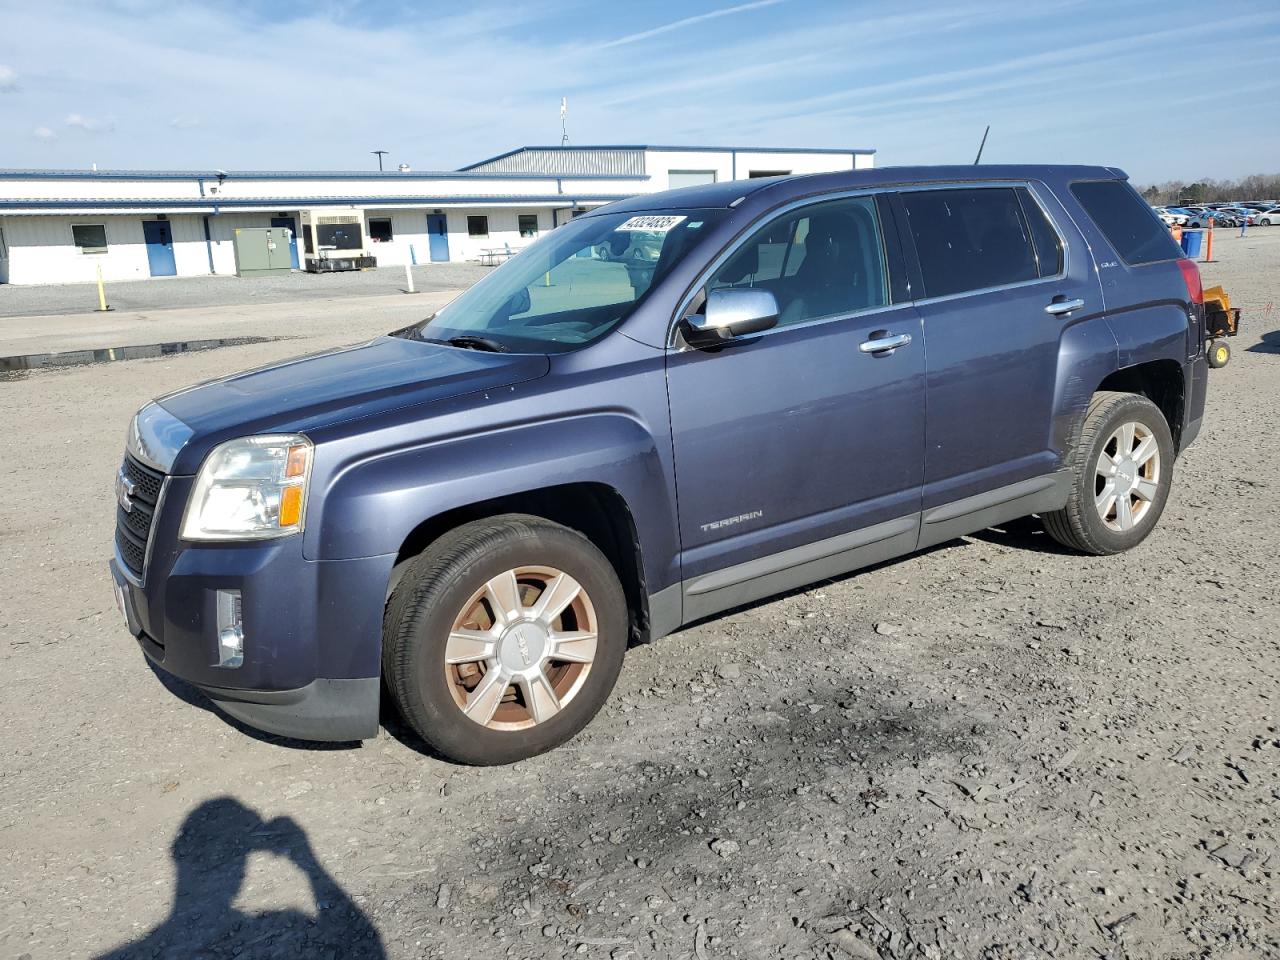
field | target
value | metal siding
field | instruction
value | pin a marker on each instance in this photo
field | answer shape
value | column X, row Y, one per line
column 568, row 162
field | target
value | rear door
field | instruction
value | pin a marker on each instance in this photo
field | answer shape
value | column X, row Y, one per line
column 997, row 287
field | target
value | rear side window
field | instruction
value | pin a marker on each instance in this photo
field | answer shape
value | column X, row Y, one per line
column 1126, row 221
column 970, row 239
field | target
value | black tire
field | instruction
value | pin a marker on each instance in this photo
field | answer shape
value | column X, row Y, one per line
column 1079, row 524
column 432, row 593
column 1219, row 354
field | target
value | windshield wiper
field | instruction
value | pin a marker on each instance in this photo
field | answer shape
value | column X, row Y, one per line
column 472, row 342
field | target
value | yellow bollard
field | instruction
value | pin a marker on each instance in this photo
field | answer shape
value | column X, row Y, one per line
column 102, row 294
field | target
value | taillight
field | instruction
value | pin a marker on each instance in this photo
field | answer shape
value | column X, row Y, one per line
column 1191, row 277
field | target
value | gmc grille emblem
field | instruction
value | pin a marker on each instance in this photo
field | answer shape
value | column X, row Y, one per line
column 124, row 491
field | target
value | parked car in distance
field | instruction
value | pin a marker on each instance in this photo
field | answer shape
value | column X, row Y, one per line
column 1240, row 214
column 1268, row 218
column 480, row 512
column 1200, row 218
column 1171, row 216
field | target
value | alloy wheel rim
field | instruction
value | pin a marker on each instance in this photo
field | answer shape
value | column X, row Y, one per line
column 521, row 647
column 1127, row 477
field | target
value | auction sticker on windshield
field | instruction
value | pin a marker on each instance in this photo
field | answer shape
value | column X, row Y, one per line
column 650, row 224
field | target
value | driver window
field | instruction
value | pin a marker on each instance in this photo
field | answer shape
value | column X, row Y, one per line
column 824, row 260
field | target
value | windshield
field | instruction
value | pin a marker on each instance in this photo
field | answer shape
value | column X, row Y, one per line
column 571, row 287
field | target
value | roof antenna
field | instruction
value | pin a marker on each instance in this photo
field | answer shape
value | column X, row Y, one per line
column 564, row 116
column 978, row 158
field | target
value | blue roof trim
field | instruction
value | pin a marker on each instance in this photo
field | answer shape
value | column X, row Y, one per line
column 851, row 151
column 12, row 174
column 209, row 205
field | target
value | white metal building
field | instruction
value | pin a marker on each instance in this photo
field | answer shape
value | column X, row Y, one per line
column 61, row 226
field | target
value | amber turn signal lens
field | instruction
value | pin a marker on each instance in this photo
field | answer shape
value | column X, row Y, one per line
column 291, row 507
column 296, row 464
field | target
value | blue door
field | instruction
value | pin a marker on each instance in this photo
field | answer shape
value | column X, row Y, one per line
column 812, row 457
column 159, row 237
column 438, row 229
column 293, row 236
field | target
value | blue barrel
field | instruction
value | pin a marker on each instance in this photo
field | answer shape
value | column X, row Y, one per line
column 1191, row 240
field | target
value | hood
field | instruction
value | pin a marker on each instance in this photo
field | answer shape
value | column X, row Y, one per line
column 325, row 388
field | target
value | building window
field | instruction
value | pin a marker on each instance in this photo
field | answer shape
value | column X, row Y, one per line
column 757, row 174
column 528, row 224
column 380, row 229
column 90, row 237
column 477, row 226
column 689, row 178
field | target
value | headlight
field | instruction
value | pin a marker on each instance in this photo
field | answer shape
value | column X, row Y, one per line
column 253, row 488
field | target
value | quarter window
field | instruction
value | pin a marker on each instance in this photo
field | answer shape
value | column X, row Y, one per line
column 1048, row 245
column 477, row 226
column 528, row 224
column 1128, row 223
column 970, row 239
column 90, row 237
column 824, row 260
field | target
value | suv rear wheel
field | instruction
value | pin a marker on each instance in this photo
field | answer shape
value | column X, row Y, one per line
column 504, row 638
column 1122, row 470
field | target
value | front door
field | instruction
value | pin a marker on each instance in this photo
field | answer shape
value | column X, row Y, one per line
column 292, row 226
column 998, row 296
column 158, row 235
column 799, row 451
column 438, row 231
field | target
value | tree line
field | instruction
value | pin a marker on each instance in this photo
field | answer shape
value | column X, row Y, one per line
column 1260, row 186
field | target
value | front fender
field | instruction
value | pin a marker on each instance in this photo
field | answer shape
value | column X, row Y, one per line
column 372, row 505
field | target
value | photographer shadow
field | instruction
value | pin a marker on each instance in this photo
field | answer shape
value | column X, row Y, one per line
column 210, row 856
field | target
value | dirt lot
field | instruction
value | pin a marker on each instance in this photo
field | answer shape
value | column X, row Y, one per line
column 169, row 293
column 992, row 750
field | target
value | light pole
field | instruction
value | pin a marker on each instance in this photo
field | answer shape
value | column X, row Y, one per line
column 380, row 154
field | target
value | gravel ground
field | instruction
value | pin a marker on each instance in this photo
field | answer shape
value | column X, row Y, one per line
column 176, row 292
column 991, row 750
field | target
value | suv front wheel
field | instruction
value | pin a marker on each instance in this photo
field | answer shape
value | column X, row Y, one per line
column 504, row 638
column 1122, row 468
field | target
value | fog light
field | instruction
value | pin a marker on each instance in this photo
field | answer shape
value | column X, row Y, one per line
column 230, row 629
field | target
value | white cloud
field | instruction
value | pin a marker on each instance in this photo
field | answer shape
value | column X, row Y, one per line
column 8, row 79
column 44, row 133
column 184, row 122
column 79, row 121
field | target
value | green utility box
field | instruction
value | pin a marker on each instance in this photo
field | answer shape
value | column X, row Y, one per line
column 261, row 251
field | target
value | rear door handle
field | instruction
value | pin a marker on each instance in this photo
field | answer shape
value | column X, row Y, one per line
column 1059, row 307
column 884, row 344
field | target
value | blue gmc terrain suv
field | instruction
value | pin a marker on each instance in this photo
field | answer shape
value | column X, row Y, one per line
column 666, row 408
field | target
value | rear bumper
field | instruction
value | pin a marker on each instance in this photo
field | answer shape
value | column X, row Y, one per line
column 312, row 632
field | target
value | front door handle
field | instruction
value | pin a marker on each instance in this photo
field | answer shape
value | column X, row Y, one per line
column 1059, row 307
column 884, row 344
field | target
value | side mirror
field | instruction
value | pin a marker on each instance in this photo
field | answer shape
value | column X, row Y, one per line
column 731, row 312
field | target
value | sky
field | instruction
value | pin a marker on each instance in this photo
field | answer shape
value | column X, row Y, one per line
column 1165, row 90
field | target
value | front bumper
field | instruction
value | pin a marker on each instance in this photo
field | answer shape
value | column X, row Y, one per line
column 312, row 630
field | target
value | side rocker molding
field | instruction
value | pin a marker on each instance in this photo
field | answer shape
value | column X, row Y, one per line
column 961, row 517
